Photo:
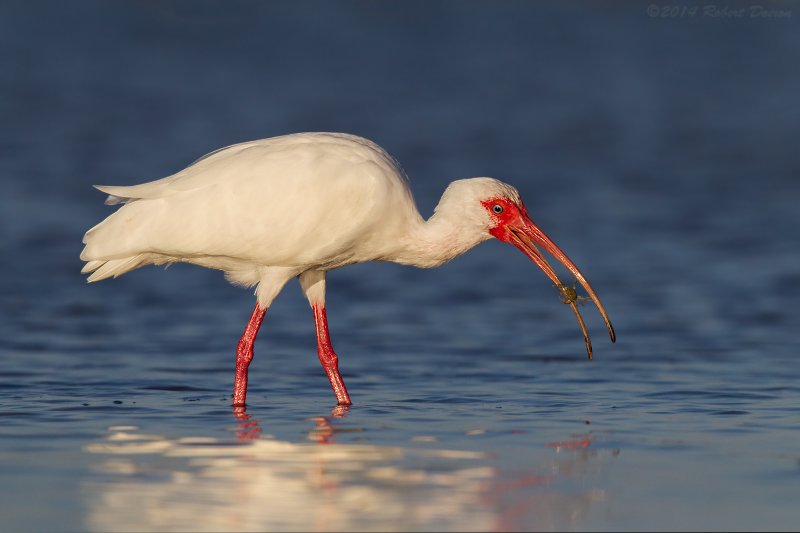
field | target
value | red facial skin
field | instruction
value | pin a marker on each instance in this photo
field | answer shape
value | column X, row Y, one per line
column 513, row 225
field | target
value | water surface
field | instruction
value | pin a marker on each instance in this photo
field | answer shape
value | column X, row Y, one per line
column 659, row 154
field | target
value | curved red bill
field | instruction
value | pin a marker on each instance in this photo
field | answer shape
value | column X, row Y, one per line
column 524, row 234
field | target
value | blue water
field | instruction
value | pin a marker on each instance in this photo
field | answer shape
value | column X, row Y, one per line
column 658, row 153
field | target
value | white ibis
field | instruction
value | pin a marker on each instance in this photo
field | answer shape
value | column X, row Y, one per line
column 267, row 211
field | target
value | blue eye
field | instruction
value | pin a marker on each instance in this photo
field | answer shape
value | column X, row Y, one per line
column 497, row 209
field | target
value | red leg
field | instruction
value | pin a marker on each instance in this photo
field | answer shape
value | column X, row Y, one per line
column 329, row 359
column 244, row 354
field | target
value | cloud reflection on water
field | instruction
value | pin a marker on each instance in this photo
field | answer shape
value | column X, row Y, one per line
column 257, row 483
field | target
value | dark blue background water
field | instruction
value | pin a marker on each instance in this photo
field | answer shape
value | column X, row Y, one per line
column 660, row 153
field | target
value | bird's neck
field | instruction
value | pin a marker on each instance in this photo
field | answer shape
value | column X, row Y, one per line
column 438, row 240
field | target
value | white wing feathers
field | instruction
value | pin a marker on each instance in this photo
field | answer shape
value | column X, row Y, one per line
column 298, row 201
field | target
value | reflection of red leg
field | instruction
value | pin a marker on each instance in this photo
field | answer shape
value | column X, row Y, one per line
column 248, row 429
column 244, row 354
column 329, row 360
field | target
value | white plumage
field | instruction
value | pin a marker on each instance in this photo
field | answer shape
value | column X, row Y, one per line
column 299, row 205
column 300, row 202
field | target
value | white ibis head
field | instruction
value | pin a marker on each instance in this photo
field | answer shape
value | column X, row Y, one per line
column 507, row 219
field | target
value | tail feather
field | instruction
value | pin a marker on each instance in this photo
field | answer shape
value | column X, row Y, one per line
column 114, row 200
column 114, row 267
column 153, row 189
column 122, row 235
column 91, row 266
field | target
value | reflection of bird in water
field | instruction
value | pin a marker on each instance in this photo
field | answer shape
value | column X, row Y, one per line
column 265, row 484
column 247, row 428
column 326, row 431
column 298, row 206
